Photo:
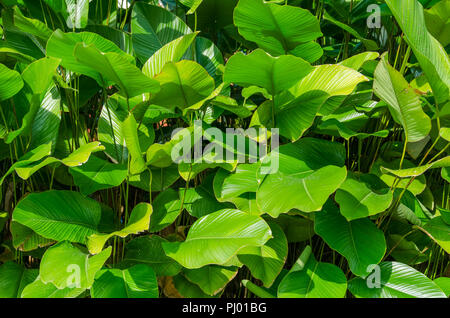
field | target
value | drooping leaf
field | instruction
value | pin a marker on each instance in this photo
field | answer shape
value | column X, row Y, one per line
column 183, row 84
column 167, row 208
column 404, row 104
column 114, row 67
column 152, row 27
column 417, row 171
column 138, row 281
column 211, row 278
column 266, row 262
column 274, row 74
column 362, row 196
column 14, row 278
column 59, row 215
column 309, row 278
column 359, row 241
column 64, row 265
column 62, row 45
column 397, row 280
column 10, row 82
column 279, row 29
column 39, row 289
column 429, row 52
column 148, row 250
column 98, row 174
column 219, row 236
column 170, row 52
column 301, row 176
column 139, row 221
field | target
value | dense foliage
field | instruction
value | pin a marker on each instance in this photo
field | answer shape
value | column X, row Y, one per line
column 354, row 202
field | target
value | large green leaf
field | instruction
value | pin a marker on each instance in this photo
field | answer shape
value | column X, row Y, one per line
column 403, row 102
column 116, row 68
column 14, row 278
column 359, row 241
column 138, row 281
column 130, row 133
column 152, row 27
column 61, row 45
column 183, row 84
column 139, row 221
column 171, row 52
column 217, row 237
column 59, row 215
column 279, row 29
column 429, row 52
column 39, row 289
column 167, row 208
column 309, row 278
column 211, row 278
column 439, row 231
column 397, row 280
column 148, row 250
column 275, row 74
column 10, row 82
column 301, row 176
column 98, row 174
column 266, row 262
column 33, row 160
column 362, row 195
column 64, row 265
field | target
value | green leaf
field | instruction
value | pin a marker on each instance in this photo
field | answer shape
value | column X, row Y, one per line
column 369, row 44
column 192, row 5
column 116, row 68
column 148, row 250
column 129, row 130
column 279, row 29
column 139, row 221
column 152, row 27
column 167, row 208
column 417, row 171
column 138, row 281
column 39, row 289
column 98, row 174
column 64, row 265
column 39, row 74
column 439, row 231
column 183, row 84
column 362, row 195
column 301, row 176
column 61, row 45
column 10, row 82
column 212, row 278
column 77, row 13
column 309, row 278
column 59, row 215
column 444, row 284
column 404, row 105
column 397, row 280
column 14, row 278
column 275, row 74
column 266, row 262
column 229, row 185
column 359, row 241
column 25, row 239
column 220, row 235
column 185, row 288
column 171, row 52
column 429, row 52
